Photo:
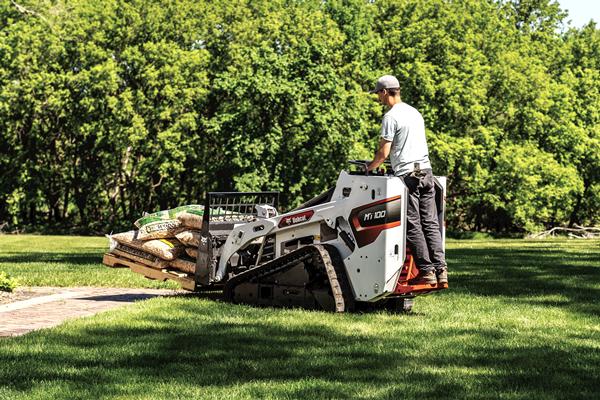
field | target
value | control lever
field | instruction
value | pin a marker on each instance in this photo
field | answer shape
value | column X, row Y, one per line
column 343, row 227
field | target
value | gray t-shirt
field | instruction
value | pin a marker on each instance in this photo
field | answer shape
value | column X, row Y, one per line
column 403, row 125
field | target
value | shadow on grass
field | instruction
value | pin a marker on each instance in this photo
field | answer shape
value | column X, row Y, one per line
column 124, row 298
column 87, row 258
column 217, row 347
column 530, row 275
column 301, row 361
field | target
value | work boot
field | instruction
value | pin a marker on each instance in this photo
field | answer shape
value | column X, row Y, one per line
column 424, row 278
column 442, row 275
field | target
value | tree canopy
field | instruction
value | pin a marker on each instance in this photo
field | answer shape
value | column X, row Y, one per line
column 109, row 108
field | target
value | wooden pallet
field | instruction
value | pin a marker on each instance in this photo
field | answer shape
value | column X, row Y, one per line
column 184, row 280
column 112, row 261
column 152, row 263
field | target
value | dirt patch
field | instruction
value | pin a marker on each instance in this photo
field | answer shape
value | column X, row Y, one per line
column 26, row 293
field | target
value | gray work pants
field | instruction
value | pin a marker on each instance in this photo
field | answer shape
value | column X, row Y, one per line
column 422, row 230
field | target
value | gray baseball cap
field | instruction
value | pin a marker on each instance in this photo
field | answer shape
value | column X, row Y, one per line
column 386, row 82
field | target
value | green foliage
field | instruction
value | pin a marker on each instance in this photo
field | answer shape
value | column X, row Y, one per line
column 7, row 284
column 112, row 108
column 532, row 187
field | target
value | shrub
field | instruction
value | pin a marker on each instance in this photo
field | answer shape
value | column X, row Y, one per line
column 7, row 284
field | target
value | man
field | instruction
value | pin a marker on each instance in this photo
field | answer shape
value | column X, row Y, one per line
column 403, row 139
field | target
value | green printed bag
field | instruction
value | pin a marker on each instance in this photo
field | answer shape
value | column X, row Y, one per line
column 170, row 214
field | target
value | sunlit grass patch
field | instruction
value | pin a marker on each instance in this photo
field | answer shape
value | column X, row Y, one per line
column 520, row 321
column 65, row 261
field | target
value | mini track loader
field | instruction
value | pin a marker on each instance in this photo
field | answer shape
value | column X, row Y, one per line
column 343, row 250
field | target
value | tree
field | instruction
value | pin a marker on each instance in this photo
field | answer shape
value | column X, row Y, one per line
column 109, row 108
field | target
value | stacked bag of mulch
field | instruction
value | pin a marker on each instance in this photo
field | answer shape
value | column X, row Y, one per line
column 164, row 239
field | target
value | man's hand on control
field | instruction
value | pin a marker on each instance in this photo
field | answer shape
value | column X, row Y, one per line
column 382, row 153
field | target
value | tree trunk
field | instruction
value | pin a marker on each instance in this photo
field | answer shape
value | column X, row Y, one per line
column 574, row 218
column 65, row 205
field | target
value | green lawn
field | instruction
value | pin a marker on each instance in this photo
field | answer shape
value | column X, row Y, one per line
column 521, row 321
column 65, row 261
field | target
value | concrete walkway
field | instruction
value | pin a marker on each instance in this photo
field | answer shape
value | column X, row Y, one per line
column 20, row 317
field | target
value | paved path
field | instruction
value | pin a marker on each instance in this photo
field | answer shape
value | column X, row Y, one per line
column 46, row 311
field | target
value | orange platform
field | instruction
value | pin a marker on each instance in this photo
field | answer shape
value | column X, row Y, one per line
column 410, row 271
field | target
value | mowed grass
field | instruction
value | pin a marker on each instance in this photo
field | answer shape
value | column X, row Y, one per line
column 521, row 321
column 65, row 261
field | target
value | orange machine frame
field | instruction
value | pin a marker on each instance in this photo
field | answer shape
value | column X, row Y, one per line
column 410, row 271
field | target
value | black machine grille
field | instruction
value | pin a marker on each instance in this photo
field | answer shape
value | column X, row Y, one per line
column 236, row 206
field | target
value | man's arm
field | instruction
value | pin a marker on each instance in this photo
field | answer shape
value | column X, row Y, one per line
column 382, row 153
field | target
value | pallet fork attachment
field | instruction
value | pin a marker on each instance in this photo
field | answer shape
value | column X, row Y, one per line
column 222, row 211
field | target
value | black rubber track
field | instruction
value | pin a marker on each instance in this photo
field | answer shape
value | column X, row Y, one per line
column 324, row 256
